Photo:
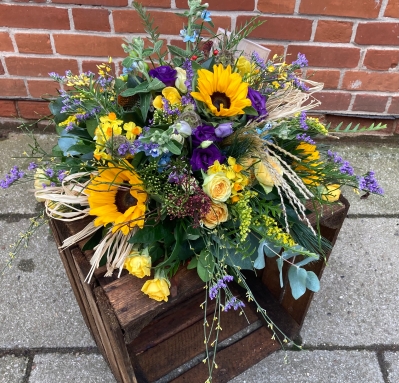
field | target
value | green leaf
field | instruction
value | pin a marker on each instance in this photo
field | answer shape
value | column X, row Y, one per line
column 145, row 100
column 150, row 234
column 156, row 84
column 158, row 46
column 91, row 126
column 250, row 111
column 142, row 88
column 84, row 149
column 312, row 282
column 356, row 129
column 173, row 147
column 205, row 265
column 177, row 61
column 297, row 278
column 55, row 108
column 175, row 50
column 208, row 63
column 192, row 264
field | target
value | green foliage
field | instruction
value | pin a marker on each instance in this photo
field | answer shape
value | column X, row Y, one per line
column 356, row 129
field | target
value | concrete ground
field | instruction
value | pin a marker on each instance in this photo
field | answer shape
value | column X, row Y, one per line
column 350, row 334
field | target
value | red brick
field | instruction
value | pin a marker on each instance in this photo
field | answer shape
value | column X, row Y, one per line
column 327, row 56
column 32, row 110
column 1, row 68
column 167, row 22
column 275, row 49
column 376, row 81
column 33, row 42
column 88, row 45
column 333, row 100
column 5, row 42
column 367, row 9
column 329, row 78
column 378, row 59
column 42, row 88
column 91, row 19
column 333, row 31
column 392, row 9
column 371, row 33
column 7, row 108
column 10, row 87
column 92, row 66
column 222, row 5
column 370, row 103
column 29, row 1
column 281, row 28
column 159, row 3
column 22, row 16
column 394, row 107
column 39, row 67
column 106, row 3
column 276, row 6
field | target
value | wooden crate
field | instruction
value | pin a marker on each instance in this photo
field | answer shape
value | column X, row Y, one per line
column 147, row 341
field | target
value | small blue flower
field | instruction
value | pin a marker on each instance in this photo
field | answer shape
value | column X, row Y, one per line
column 187, row 37
column 205, row 15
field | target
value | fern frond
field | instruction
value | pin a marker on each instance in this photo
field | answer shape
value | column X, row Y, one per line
column 356, row 129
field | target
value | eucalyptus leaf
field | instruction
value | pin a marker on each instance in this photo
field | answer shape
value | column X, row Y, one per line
column 298, row 280
column 173, row 147
column 205, row 265
column 312, row 282
column 145, row 100
column 192, row 264
column 81, row 149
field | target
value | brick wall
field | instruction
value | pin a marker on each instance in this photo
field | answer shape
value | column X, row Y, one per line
column 352, row 45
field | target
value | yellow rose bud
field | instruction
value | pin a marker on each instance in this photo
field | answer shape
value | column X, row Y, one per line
column 157, row 289
column 138, row 265
column 331, row 193
column 216, row 215
column 263, row 173
column 180, row 80
column 217, row 186
column 243, row 66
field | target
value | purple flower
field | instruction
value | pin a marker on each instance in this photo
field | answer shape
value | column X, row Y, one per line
column 32, row 166
column 203, row 158
column 258, row 101
column 165, row 74
column 203, row 133
column 301, row 61
column 14, row 175
column 369, row 184
column 224, row 130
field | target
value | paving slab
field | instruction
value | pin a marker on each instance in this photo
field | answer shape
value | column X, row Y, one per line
column 358, row 303
column 315, row 367
column 392, row 361
column 382, row 158
column 70, row 368
column 12, row 369
column 37, row 306
column 18, row 198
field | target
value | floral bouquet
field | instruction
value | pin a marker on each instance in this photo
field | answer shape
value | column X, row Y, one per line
column 199, row 156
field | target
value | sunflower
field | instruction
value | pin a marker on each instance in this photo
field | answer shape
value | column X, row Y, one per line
column 117, row 196
column 223, row 92
column 311, row 175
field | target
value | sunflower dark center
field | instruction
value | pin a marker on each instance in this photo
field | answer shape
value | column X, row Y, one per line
column 124, row 200
column 220, row 99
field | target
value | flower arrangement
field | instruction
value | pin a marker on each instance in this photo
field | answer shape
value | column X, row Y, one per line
column 204, row 161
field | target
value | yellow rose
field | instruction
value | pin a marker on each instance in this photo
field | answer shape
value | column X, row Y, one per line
column 331, row 193
column 157, row 289
column 180, row 80
column 217, row 214
column 171, row 94
column 217, row 186
column 263, row 174
column 243, row 66
column 138, row 265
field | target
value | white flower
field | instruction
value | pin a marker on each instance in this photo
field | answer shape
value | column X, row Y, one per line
column 180, row 80
column 183, row 128
column 205, row 144
column 178, row 137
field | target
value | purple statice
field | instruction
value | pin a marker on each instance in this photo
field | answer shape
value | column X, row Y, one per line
column 301, row 61
column 300, row 85
column 52, row 184
column 260, row 63
column 168, row 109
column 368, row 183
column 56, row 77
column 346, row 168
column 14, row 175
column 124, row 148
column 32, row 166
column 220, row 284
column 89, row 114
column 335, row 157
column 305, row 138
column 149, row 148
column 302, row 121
column 49, row 172
column 233, row 303
column 69, row 127
column 188, row 67
column 104, row 82
column 61, row 175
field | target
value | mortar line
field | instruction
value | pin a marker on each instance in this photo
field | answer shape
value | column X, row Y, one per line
column 372, row 347
column 31, row 352
column 383, row 366
column 28, row 370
